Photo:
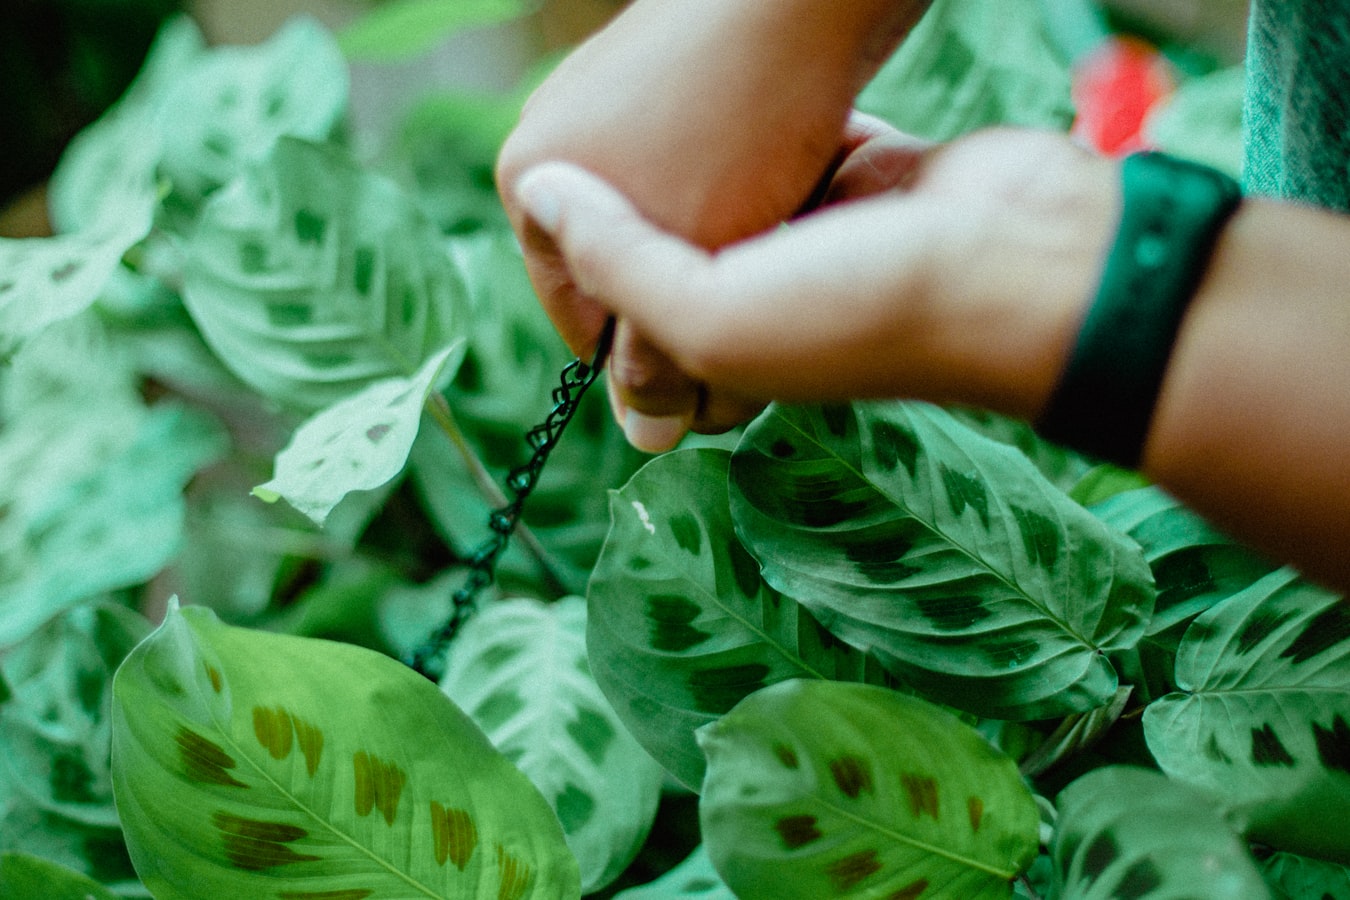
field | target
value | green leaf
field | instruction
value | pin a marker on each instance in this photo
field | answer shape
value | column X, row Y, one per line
column 312, row 278
column 1103, row 482
column 45, row 280
column 693, row 879
column 824, row 789
column 359, row 443
column 519, row 669
column 22, row 875
column 1126, row 832
column 398, row 30
column 946, row 553
column 252, row 764
column 1062, row 467
column 1262, row 718
column 1194, row 566
column 227, row 109
column 682, row 626
column 55, row 731
column 100, row 505
column 123, row 147
column 968, row 65
column 1296, row 877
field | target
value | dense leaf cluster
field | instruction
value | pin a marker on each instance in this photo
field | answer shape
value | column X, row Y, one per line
column 893, row 650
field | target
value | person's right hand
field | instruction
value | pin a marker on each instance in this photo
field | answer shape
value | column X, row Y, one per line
column 718, row 119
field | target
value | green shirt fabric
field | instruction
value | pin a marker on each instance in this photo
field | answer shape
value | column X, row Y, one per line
column 1297, row 110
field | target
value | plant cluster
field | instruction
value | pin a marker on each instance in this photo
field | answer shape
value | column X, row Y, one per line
column 894, row 651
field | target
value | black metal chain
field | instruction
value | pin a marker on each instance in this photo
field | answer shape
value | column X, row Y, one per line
column 577, row 376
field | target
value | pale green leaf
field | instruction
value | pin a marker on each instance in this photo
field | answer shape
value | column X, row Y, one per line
column 1262, row 717
column 969, row 65
column 824, row 789
column 25, row 876
column 398, row 30
column 1296, row 877
column 1126, row 832
column 226, row 110
column 357, row 444
column 251, row 764
column 45, row 280
column 1202, row 120
column 312, row 278
column 693, row 879
column 682, row 626
column 946, row 553
column 99, row 506
column 122, row 148
column 519, row 669
column 55, row 730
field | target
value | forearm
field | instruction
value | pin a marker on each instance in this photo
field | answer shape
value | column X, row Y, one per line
column 1253, row 423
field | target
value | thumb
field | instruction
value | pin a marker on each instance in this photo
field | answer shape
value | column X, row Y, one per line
column 613, row 254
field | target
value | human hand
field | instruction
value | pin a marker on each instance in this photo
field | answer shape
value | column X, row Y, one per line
column 965, row 282
column 717, row 118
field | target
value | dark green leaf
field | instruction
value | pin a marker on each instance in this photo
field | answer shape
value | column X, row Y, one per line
column 682, row 626
column 1126, row 833
column 1262, row 718
column 1297, row 877
column 824, row 789
column 947, row 553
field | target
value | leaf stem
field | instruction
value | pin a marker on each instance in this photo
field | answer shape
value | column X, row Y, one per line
column 487, row 486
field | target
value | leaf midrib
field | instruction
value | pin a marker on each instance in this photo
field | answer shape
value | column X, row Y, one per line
column 304, row 808
column 933, row 529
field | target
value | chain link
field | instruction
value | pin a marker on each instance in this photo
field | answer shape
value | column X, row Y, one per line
column 577, row 376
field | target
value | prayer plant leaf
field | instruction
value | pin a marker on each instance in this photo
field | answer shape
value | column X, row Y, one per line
column 1295, row 877
column 226, row 110
column 45, row 280
column 1262, row 717
column 971, row 65
column 250, row 764
column 682, row 626
column 826, row 789
column 359, row 443
column 519, row 669
column 693, row 879
column 400, row 30
column 1125, row 832
column 944, row 552
column 22, row 875
column 312, row 278
column 100, row 505
column 55, row 730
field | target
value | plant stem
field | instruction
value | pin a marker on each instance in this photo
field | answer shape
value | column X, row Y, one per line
column 489, row 489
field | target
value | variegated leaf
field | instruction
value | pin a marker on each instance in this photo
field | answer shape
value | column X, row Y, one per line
column 519, row 669
column 824, row 789
column 1125, row 832
column 945, row 552
column 312, row 278
column 682, row 626
column 1262, row 717
column 251, row 764
column 693, row 879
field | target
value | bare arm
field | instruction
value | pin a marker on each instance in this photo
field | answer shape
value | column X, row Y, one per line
column 967, row 284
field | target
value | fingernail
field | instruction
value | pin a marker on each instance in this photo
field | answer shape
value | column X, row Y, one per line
column 654, row 434
column 540, row 201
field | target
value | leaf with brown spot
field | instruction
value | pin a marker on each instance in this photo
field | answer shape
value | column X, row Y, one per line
column 864, row 813
column 397, row 789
